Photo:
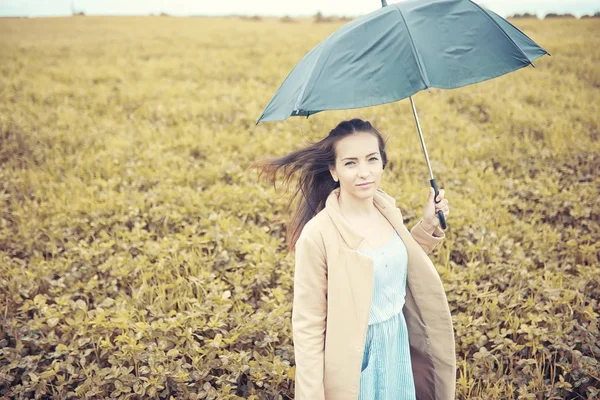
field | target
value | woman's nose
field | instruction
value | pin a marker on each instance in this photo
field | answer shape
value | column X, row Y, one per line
column 363, row 170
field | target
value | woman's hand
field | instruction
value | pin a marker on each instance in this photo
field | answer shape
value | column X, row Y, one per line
column 430, row 218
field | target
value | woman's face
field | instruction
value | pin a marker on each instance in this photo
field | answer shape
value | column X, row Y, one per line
column 357, row 162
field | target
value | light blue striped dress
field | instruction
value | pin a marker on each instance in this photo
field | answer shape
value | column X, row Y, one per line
column 386, row 372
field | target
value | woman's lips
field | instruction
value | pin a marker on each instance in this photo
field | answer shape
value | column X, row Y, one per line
column 365, row 185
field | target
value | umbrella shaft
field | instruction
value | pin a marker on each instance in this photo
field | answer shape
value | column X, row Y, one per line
column 412, row 103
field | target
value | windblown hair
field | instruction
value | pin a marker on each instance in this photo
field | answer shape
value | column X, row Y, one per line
column 314, row 181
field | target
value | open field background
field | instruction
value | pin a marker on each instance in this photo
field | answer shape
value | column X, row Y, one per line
column 139, row 258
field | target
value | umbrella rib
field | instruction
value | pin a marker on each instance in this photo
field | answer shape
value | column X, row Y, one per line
column 300, row 98
column 502, row 30
column 415, row 52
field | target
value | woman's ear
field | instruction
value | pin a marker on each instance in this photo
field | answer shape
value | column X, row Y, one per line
column 333, row 174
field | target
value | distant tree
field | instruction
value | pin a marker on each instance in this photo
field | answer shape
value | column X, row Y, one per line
column 596, row 15
column 554, row 15
column 320, row 18
column 287, row 19
column 75, row 11
column 525, row 15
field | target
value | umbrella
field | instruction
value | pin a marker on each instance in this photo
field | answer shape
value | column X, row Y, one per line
column 398, row 50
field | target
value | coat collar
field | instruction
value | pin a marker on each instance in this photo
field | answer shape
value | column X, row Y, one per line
column 384, row 203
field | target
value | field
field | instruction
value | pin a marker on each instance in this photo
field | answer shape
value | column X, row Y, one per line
column 140, row 258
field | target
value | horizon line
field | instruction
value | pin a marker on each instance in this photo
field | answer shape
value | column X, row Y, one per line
column 163, row 14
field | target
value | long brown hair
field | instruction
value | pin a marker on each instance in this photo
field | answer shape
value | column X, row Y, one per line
column 314, row 180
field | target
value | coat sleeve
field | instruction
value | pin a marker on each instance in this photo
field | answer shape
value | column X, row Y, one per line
column 309, row 313
column 428, row 241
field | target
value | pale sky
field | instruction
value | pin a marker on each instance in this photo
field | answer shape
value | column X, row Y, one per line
column 266, row 7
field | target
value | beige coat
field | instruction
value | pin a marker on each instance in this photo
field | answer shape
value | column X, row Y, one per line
column 332, row 296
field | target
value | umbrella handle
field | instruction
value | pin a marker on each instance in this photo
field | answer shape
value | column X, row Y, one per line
column 440, row 213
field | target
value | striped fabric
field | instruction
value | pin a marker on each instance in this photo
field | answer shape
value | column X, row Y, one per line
column 386, row 372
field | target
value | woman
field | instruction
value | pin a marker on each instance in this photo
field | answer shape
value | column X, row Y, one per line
column 370, row 317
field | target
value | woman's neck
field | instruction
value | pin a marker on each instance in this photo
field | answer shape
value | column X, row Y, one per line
column 353, row 206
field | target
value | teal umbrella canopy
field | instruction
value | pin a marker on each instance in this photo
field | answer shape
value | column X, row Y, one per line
column 398, row 50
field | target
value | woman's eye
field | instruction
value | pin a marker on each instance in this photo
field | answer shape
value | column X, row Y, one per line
column 349, row 163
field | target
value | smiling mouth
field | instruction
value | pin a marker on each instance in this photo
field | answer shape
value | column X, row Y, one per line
column 365, row 184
